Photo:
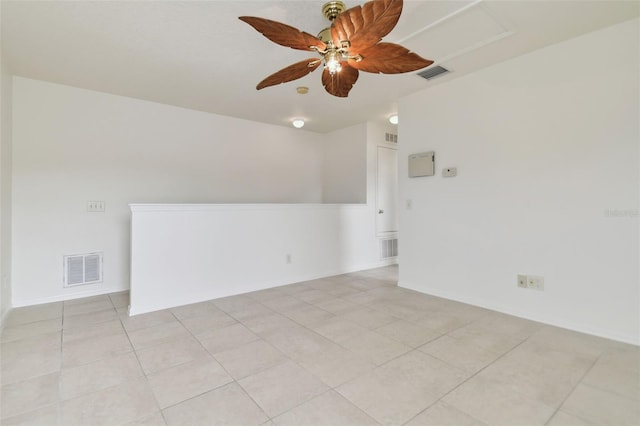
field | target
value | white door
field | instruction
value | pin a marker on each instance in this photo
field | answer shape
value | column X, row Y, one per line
column 387, row 191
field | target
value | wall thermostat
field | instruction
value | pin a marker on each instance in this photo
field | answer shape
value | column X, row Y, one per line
column 422, row 164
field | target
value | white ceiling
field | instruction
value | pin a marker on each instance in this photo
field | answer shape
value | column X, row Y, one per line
column 198, row 55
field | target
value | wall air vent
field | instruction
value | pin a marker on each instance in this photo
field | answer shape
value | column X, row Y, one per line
column 81, row 269
column 433, row 72
column 390, row 138
column 388, row 248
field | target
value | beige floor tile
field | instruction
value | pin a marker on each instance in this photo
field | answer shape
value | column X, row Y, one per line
column 269, row 323
column 390, row 402
column 375, row 347
column 562, row 418
column 234, row 303
column 155, row 419
column 28, row 395
column 408, row 333
column 601, row 407
column 491, row 403
column 102, row 304
column 195, row 310
column 423, row 371
column 250, row 358
column 561, row 339
column 79, row 352
column 137, row 322
column 283, row 303
column 442, row 321
column 330, row 408
column 88, row 319
column 98, row 375
column 313, row 296
column 309, row 316
column 102, row 329
column 227, row 405
column 27, row 314
column 115, row 405
column 336, row 366
column 440, row 414
column 170, row 354
column 337, row 306
column 249, row 311
column 282, row 387
column 369, row 318
column 613, row 379
column 339, row 329
column 343, row 290
column 266, row 294
column 179, row 383
column 31, row 329
column 460, row 353
column 203, row 324
column 30, row 357
column 622, row 356
column 158, row 334
column 120, row 300
column 299, row 342
column 547, row 379
column 226, row 338
column 31, row 344
column 44, row 416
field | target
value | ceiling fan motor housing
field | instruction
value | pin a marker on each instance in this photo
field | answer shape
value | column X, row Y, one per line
column 332, row 9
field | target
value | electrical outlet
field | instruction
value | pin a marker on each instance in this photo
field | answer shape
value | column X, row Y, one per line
column 535, row 282
column 409, row 204
column 522, row 281
column 450, row 172
column 288, row 258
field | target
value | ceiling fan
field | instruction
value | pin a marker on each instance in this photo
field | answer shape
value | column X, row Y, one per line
column 351, row 44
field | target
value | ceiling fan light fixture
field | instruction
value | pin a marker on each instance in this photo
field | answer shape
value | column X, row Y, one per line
column 332, row 61
column 393, row 119
column 298, row 123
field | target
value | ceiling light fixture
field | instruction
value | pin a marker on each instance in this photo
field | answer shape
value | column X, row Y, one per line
column 298, row 123
column 393, row 119
column 302, row 90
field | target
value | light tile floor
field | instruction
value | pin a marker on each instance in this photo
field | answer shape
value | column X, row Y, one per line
column 352, row 349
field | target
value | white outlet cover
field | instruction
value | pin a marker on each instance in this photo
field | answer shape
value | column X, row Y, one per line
column 450, row 172
column 522, row 281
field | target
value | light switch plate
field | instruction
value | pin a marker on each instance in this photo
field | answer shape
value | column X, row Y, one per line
column 95, row 206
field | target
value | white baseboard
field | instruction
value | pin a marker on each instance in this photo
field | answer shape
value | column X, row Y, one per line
column 63, row 297
column 533, row 316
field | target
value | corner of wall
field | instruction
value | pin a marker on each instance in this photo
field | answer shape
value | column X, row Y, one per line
column 6, row 91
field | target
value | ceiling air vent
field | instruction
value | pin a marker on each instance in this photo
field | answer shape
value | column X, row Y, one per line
column 390, row 137
column 433, row 72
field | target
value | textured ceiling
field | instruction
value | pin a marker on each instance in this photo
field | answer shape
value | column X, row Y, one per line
column 198, row 55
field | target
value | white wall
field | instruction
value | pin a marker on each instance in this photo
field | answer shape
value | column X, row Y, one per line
column 545, row 144
column 345, row 165
column 5, row 190
column 72, row 145
column 189, row 253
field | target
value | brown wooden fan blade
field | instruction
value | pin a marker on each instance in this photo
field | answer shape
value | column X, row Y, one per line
column 389, row 58
column 290, row 73
column 365, row 26
column 284, row 34
column 340, row 83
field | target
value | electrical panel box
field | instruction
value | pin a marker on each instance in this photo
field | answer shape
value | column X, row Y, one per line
column 422, row 164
